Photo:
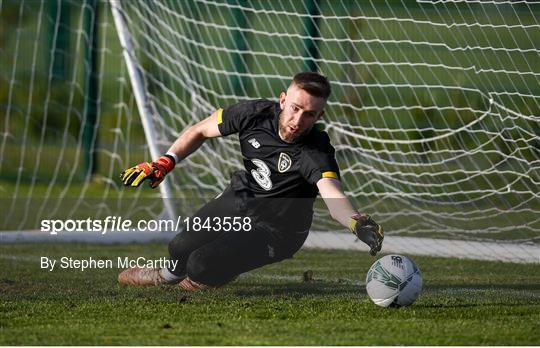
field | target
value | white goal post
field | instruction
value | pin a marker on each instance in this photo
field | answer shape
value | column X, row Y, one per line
column 144, row 104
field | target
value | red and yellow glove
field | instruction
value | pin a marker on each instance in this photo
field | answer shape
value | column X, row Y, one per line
column 154, row 171
column 368, row 231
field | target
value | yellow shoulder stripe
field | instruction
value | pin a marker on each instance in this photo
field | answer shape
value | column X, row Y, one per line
column 332, row 175
column 219, row 116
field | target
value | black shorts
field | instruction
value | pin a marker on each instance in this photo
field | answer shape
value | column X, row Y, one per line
column 214, row 256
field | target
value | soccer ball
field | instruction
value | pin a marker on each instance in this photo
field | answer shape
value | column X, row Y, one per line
column 394, row 280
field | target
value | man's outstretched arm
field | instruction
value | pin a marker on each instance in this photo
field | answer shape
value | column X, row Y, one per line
column 187, row 143
column 193, row 137
column 341, row 210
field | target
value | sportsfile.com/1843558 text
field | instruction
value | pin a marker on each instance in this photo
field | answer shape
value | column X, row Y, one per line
column 117, row 223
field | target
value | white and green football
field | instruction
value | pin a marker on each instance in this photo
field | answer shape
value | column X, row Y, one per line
column 394, row 280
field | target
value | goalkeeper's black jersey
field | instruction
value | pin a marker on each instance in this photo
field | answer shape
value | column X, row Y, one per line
column 281, row 174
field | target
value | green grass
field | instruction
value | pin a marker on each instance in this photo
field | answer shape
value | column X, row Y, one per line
column 463, row 303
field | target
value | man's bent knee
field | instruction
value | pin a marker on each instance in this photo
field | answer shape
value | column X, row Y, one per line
column 203, row 270
column 175, row 247
column 179, row 251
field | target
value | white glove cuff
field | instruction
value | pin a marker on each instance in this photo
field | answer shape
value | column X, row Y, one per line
column 173, row 155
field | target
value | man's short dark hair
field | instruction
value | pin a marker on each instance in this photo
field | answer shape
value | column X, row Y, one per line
column 314, row 83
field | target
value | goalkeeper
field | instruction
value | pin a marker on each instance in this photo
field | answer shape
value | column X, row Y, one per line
column 288, row 160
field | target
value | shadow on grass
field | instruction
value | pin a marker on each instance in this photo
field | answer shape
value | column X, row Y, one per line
column 470, row 305
column 295, row 289
column 482, row 287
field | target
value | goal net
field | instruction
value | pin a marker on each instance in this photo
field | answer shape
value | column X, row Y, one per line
column 434, row 114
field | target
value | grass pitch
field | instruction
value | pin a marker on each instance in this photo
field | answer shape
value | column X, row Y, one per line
column 463, row 303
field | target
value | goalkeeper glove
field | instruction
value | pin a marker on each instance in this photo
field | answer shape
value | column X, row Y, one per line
column 368, row 231
column 154, row 171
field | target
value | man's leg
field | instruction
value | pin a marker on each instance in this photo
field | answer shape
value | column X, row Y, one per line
column 187, row 241
column 183, row 244
column 222, row 260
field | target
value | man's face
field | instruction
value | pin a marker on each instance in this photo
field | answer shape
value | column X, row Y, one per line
column 300, row 111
